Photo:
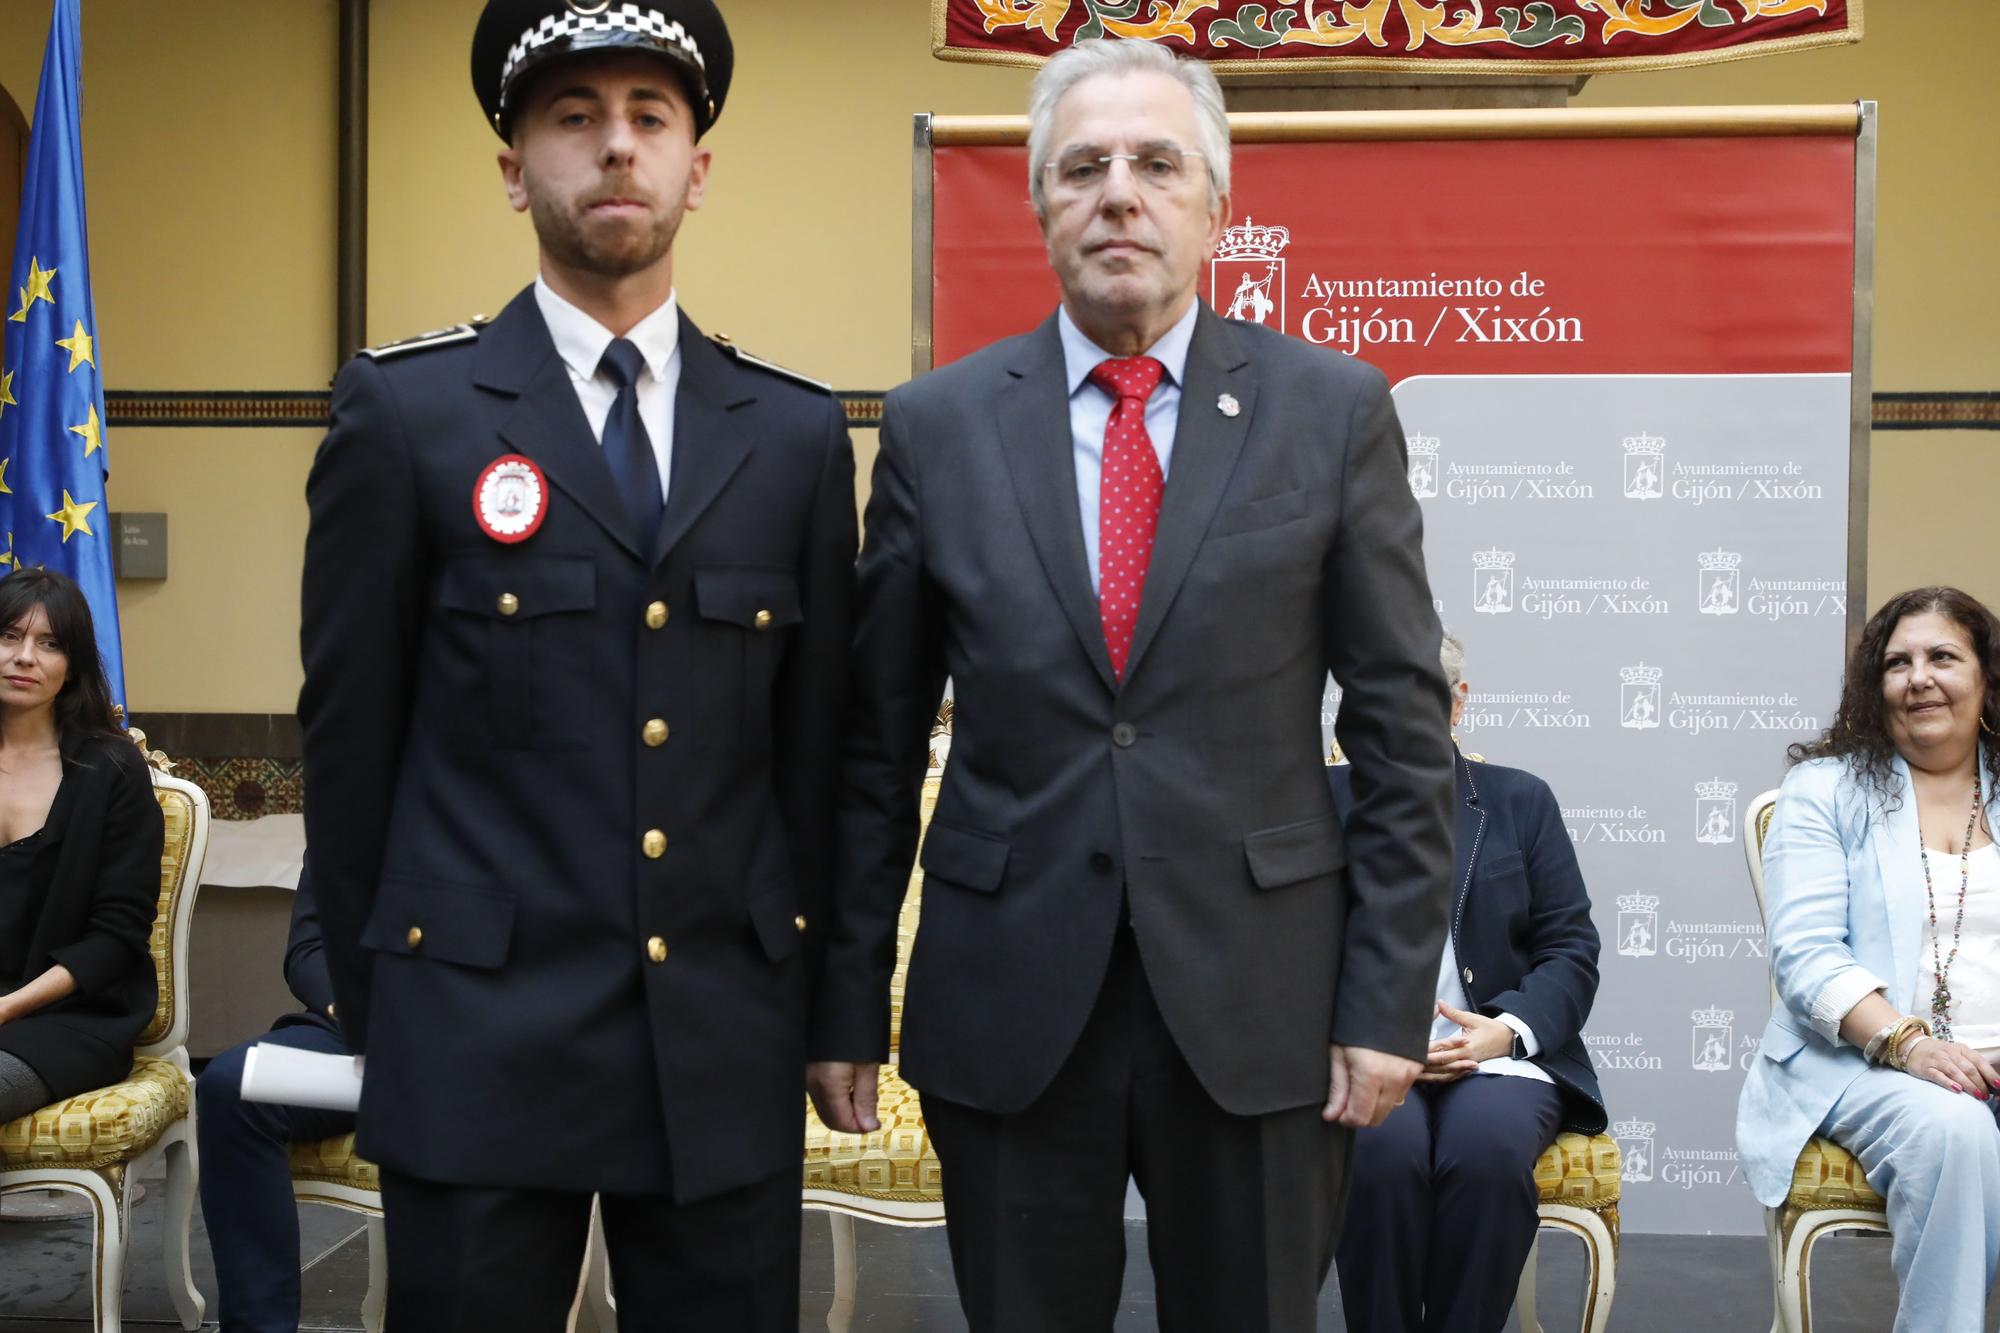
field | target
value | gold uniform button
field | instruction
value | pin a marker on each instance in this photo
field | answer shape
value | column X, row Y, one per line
column 654, row 732
column 509, row 604
column 800, row 922
column 763, row 619
column 656, row 949
column 415, row 937
column 656, row 615
column 654, row 844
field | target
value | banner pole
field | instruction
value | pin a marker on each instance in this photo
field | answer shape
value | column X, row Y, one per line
column 922, row 205
column 1861, row 409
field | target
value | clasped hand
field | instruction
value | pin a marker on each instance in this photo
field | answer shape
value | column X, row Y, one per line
column 1454, row 1057
column 1950, row 1064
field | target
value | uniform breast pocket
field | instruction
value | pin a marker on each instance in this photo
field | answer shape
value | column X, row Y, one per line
column 517, row 665
column 745, row 613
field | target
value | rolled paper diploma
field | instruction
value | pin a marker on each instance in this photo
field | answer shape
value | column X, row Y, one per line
column 292, row 1077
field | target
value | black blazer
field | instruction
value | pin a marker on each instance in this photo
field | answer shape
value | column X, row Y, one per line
column 576, row 958
column 97, row 876
column 1191, row 790
column 1520, row 921
column 305, row 963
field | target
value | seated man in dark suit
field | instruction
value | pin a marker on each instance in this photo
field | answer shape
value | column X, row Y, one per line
column 1444, row 1192
column 246, row 1182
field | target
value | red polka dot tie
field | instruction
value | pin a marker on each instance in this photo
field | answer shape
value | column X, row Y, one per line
column 1128, row 500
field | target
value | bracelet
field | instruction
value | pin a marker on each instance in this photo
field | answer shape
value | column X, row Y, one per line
column 1872, row 1053
column 1899, row 1036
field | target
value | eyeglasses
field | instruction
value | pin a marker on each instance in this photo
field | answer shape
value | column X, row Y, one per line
column 1162, row 167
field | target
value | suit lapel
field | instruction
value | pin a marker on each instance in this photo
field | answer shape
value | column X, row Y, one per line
column 1206, row 446
column 1468, row 830
column 1899, row 866
column 1033, row 410
column 517, row 358
column 707, row 449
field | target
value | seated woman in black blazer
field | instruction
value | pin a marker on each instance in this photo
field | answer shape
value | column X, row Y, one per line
column 1442, row 1210
column 80, row 840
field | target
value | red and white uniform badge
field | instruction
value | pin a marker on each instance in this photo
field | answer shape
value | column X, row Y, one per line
column 510, row 499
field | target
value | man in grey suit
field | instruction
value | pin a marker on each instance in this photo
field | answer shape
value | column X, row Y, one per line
column 1136, row 540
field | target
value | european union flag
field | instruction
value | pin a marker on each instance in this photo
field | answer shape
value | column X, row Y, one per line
column 52, row 456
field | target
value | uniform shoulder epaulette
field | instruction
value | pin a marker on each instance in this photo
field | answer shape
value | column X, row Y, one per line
column 745, row 358
column 457, row 333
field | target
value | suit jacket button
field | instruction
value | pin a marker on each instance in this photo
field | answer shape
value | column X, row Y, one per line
column 763, row 619
column 1468, row 976
column 653, row 844
column 508, row 604
column 656, row 615
column 654, row 732
column 1123, row 735
column 415, row 937
column 800, row 922
column 656, row 949
column 1101, row 862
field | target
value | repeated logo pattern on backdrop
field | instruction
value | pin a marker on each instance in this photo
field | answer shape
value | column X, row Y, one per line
column 1624, row 381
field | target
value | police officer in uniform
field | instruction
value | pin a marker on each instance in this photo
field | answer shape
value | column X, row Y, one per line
column 575, row 618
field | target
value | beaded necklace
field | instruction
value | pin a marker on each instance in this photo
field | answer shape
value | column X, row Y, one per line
column 1941, row 995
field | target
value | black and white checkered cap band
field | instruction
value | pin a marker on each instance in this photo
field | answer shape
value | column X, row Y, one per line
column 624, row 18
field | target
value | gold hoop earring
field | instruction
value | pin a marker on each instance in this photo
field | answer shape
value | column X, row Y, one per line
column 1983, row 727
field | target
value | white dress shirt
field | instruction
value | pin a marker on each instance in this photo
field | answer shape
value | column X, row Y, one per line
column 1090, row 410
column 580, row 341
column 1975, row 973
column 1452, row 993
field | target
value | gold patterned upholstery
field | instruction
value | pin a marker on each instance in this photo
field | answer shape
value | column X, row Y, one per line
column 102, row 1127
column 1582, row 1171
column 177, row 810
column 1827, row 1176
column 896, row 1163
column 334, row 1162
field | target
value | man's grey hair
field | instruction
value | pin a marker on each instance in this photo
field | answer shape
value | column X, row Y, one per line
column 1451, row 655
column 1088, row 59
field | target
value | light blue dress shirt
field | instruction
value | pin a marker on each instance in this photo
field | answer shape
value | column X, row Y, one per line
column 1090, row 410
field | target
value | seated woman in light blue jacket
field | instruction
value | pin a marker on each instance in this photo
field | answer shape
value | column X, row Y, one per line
column 1883, row 891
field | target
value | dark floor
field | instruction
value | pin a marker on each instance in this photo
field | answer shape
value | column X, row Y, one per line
column 1666, row 1284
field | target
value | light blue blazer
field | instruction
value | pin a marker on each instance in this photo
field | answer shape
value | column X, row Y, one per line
column 1844, row 912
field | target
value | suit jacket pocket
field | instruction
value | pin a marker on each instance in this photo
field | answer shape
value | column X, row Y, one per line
column 518, row 655
column 1781, row 1041
column 1291, row 853
column 1256, row 515
column 960, row 856
column 453, row 923
column 743, row 610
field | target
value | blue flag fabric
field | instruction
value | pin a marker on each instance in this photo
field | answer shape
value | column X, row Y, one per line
column 52, row 455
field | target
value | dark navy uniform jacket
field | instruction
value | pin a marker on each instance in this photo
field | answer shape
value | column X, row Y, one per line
column 571, row 801
column 1520, row 921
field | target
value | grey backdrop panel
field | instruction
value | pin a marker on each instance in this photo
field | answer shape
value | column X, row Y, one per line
column 1648, row 574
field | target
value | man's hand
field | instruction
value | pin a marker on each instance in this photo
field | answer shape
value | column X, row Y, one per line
column 1366, row 1085
column 844, row 1094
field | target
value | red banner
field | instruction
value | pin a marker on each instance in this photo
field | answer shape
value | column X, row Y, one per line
column 1545, row 256
column 1456, row 36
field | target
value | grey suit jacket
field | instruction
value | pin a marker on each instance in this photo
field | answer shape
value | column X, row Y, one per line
column 1288, row 545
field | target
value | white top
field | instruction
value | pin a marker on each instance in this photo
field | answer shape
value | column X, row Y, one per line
column 1090, row 410
column 580, row 341
column 1975, row 973
column 1452, row 993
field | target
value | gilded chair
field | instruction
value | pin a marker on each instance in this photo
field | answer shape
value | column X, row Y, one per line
column 1577, row 1184
column 889, row 1176
column 331, row 1173
column 99, row 1143
column 1829, row 1190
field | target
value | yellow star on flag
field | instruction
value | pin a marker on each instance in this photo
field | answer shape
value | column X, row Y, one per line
column 20, row 316
column 8, row 558
column 73, row 517
column 38, row 282
column 7, row 398
column 92, row 432
column 5, row 489
column 81, row 348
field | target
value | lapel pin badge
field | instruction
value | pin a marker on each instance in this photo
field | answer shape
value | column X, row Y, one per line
column 510, row 499
column 1227, row 405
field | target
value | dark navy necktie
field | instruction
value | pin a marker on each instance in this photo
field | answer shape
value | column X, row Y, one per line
column 627, row 450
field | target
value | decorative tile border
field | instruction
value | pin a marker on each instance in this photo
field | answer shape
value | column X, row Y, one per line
column 308, row 408
column 1937, row 411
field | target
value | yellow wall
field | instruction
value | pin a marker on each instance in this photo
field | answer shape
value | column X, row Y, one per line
column 211, row 150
